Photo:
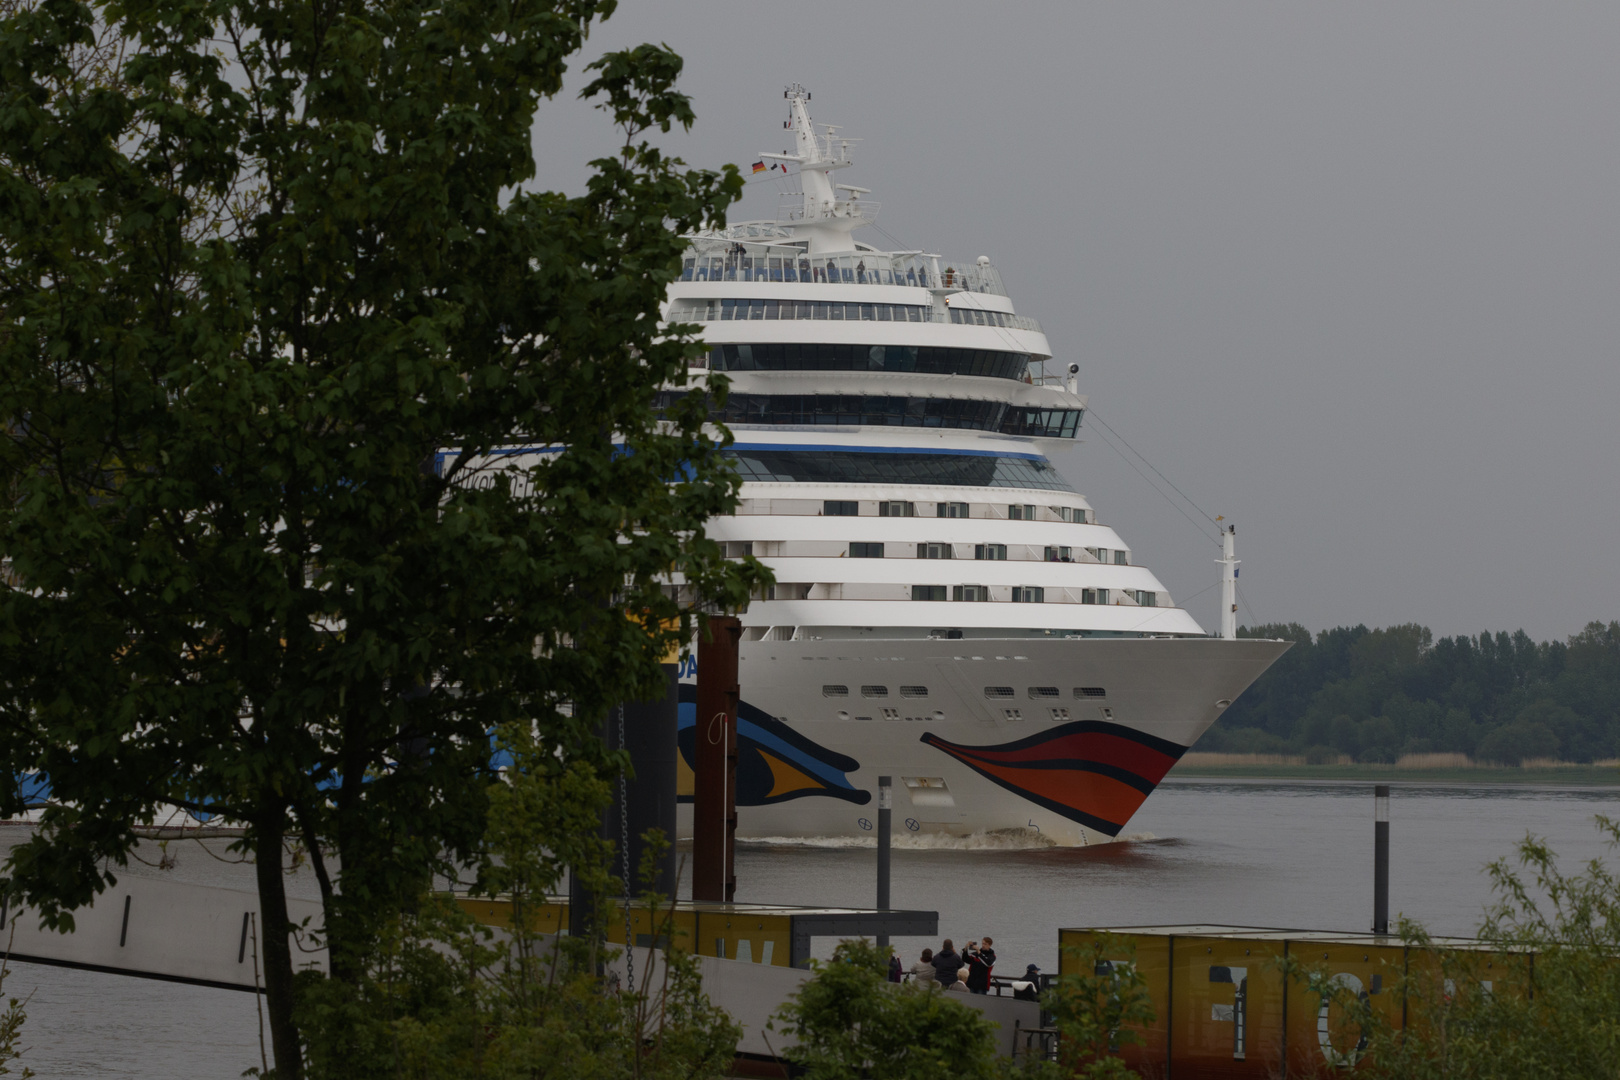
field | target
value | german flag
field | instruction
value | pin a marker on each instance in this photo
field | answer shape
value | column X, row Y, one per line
column 759, row 166
column 1092, row 772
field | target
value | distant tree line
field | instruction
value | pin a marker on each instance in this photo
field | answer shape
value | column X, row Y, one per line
column 1378, row 694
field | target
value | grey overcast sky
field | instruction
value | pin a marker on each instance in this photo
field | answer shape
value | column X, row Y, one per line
column 1346, row 273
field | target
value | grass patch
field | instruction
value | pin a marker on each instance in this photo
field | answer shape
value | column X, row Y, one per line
column 1421, row 768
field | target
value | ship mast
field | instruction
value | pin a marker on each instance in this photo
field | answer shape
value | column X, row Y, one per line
column 826, row 220
column 1229, row 564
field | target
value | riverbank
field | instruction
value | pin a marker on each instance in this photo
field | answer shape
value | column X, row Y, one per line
column 1421, row 769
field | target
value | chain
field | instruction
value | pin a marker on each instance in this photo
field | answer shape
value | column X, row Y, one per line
column 624, row 862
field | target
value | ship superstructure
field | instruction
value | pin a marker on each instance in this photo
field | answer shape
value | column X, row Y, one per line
column 949, row 609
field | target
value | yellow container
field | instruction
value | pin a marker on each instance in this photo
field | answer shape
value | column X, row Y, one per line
column 1224, row 1008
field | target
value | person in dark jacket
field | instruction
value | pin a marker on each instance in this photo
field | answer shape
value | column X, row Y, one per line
column 946, row 964
column 1029, row 987
column 981, row 958
column 895, row 968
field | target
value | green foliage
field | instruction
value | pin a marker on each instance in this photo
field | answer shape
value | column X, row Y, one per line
column 11, row 1023
column 848, row 1021
column 442, row 997
column 1541, row 999
column 1098, row 1008
column 271, row 292
column 1378, row 694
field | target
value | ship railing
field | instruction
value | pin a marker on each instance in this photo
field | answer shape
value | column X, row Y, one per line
column 764, row 260
column 790, row 209
column 756, row 308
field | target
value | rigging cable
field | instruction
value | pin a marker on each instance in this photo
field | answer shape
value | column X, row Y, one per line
column 1151, row 484
column 1253, row 619
column 1155, row 469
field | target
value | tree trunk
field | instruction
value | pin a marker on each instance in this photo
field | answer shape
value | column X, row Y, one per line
column 275, row 948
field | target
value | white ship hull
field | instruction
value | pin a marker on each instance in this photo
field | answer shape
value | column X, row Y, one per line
column 1072, row 769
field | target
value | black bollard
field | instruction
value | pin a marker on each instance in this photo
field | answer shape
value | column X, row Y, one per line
column 649, row 736
column 1381, row 859
column 581, row 900
column 885, row 822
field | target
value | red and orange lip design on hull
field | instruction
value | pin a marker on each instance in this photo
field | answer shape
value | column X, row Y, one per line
column 1089, row 771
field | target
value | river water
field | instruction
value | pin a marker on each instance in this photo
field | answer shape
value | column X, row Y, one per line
column 1270, row 854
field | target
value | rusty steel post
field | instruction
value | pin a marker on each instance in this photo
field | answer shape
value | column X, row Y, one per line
column 714, row 796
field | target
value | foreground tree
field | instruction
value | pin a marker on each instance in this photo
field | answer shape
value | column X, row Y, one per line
column 442, row 998
column 270, row 296
column 849, row 1022
column 1544, row 1003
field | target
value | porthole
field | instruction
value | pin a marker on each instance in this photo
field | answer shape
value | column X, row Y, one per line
column 1043, row 692
column 1090, row 691
column 831, row 690
column 998, row 691
column 874, row 691
column 914, row 691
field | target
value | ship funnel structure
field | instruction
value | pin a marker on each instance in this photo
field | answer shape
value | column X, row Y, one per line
column 828, row 212
column 1229, row 565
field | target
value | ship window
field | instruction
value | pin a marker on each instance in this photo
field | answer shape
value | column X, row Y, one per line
column 736, row 549
column 1121, row 558
column 914, row 691
column 1044, row 692
column 834, row 690
column 991, row 552
column 1090, row 691
column 1059, row 554
column 831, row 356
column 1041, row 423
column 865, row 551
column 847, row 409
column 970, row 593
column 1094, row 596
column 897, row 509
column 1147, row 599
column 1080, row 516
column 1028, row 594
column 1018, row 512
column 874, row 691
column 933, row 551
column 841, row 508
column 998, row 692
column 928, row 592
column 952, row 509
column 857, row 467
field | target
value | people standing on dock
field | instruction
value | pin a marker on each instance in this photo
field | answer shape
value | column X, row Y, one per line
column 923, row 970
column 896, row 971
column 946, row 962
column 960, row 986
column 981, row 958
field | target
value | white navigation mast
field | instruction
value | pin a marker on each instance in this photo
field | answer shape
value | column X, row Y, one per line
column 826, row 219
column 1229, row 565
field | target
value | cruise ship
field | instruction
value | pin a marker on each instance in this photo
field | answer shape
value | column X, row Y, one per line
column 948, row 609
